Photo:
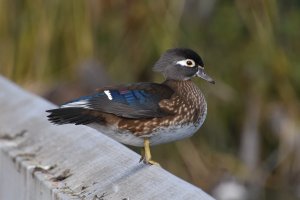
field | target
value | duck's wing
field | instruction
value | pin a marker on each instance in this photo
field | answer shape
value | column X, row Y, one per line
column 135, row 101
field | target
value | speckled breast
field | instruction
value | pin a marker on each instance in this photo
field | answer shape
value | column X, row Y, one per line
column 187, row 108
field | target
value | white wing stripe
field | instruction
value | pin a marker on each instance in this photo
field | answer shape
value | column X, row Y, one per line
column 76, row 104
column 108, row 94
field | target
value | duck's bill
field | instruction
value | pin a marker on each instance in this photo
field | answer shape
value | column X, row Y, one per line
column 201, row 73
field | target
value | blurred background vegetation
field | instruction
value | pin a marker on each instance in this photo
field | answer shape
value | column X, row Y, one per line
column 249, row 146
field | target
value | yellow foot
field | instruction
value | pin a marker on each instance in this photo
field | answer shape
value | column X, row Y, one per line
column 146, row 154
column 151, row 162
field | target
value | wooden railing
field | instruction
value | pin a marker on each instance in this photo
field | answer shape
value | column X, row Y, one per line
column 39, row 160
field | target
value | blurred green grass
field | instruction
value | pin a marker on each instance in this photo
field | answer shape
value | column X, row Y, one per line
column 250, row 47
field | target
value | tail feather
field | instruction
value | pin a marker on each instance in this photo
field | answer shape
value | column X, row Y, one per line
column 77, row 116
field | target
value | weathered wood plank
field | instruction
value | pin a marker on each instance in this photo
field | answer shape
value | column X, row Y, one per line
column 43, row 161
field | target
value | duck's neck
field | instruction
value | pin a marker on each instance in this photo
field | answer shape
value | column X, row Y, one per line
column 184, row 88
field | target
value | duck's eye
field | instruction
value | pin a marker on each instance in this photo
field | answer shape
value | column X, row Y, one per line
column 189, row 62
column 186, row 63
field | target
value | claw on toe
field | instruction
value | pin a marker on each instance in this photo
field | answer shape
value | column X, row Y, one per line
column 151, row 162
column 148, row 162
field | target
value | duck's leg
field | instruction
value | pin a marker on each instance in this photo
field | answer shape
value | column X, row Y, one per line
column 146, row 153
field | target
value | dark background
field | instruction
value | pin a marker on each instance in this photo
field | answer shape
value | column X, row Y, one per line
column 249, row 144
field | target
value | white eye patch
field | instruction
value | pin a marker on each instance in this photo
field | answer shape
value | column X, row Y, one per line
column 186, row 63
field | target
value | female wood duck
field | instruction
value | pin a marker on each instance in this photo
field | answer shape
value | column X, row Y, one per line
column 144, row 114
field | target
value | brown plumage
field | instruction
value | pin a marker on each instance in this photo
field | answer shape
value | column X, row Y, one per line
column 186, row 105
column 144, row 114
